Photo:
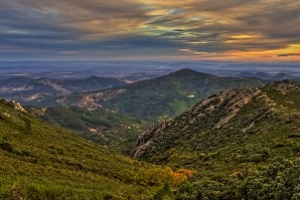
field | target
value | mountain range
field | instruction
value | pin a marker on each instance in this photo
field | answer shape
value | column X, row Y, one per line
column 268, row 76
column 33, row 91
column 168, row 95
column 125, row 115
column 216, row 138
column 113, row 118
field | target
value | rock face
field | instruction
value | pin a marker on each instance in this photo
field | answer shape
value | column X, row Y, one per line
column 17, row 106
column 284, row 87
column 146, row 139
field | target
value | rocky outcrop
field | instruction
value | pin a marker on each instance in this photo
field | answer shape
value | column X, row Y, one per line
column 17, row 106
column 147, row 138
column 216, row 110
column 284, row 87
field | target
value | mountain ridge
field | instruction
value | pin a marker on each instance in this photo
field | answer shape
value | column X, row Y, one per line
column 232, row 140
column 208, row 105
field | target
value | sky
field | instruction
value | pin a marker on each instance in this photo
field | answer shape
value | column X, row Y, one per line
column 237, row 30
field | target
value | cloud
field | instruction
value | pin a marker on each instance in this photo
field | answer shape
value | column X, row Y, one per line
column 195, row 27
column 275, row 23
column 288, row 54
column 81, row 19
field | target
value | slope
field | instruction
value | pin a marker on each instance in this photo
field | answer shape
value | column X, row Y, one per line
column 168, row 95
column 100, row 126
column 39, row 161
column 232, row 140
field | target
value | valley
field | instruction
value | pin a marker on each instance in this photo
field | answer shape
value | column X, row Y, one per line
column 184, row 135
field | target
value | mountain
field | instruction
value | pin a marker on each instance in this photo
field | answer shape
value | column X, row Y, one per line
column 243, row 143
column 41, row 161
column 32, row 91
column 168, row 95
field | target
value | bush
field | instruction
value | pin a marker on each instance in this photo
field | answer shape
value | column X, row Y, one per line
column 26, row 129
column 280, row 180
column 188, row 191
column 163, row 191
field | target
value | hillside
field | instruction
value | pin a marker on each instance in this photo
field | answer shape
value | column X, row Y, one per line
column 169, row 95
column 33, row 91
column 242, row 143
column 40, row 161
column 100, row 126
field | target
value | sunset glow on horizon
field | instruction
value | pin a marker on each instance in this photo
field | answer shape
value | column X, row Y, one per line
column 237, row 30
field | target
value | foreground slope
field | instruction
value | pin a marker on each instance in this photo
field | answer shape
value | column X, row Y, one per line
column 242, row 143
column 39, row 161
column 167, row 95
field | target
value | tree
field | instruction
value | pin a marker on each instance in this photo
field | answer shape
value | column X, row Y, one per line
column 279, row 181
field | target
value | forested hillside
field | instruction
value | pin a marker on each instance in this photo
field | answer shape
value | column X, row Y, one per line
column 242, row 143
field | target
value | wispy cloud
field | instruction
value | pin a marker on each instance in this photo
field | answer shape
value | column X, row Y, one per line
column 229, row 29
column 288, row 54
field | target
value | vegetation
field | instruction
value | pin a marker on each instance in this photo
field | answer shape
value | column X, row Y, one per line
column 242, row 144
column 115, row 117
column 40, row 161
column 100, row 126
column 239, row 144
column 280, row 180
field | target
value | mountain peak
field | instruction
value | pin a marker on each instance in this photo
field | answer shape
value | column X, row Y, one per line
column 189, row 72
